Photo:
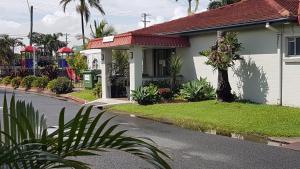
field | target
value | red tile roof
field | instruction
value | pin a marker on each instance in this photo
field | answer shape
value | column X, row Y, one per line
column 142, row 40
column 240, row 13
column 246, row 11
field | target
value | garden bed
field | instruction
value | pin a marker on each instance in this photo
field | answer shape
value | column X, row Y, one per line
column 243, row 118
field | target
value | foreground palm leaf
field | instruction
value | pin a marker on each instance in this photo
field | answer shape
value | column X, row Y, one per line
column 25, row 142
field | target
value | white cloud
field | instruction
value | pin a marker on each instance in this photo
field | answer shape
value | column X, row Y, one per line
column 153, row 21
column 9, row 24
column 51, row 19
column 179, row 12
column 123, row 15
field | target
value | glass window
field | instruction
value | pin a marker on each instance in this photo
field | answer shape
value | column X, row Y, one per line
column 291, row 46
column 297, row 46
column 95, row 64
column 294, row 46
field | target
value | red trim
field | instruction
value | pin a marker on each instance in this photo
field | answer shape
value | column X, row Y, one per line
column 29, row 49
column 142, row 40
column 65, row 50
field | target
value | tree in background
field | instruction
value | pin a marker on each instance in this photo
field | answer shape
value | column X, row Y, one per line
column 78, row 63
column 214, row 4
column 102, row 29
column 50, row 42
column 7, row 47
column 190, row 10
column 221, row 56
column 120, row 64
column 83, row 8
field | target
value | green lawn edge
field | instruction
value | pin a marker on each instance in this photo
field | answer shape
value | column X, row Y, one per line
column 85, row 95
column 241, row 118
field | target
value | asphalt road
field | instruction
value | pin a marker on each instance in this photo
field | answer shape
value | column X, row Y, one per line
column 188, row 149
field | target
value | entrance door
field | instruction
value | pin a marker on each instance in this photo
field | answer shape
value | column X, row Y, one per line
column 161, row 62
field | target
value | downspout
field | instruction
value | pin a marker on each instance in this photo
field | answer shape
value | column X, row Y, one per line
column 279, row 48
column 280, row 65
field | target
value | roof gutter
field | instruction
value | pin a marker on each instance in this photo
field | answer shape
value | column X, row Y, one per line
column 263, row 22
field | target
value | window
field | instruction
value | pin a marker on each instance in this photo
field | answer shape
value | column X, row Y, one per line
column 294, row 46
column 95, row 64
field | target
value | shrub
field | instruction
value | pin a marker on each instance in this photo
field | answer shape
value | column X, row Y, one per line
column 146, row 95
column 61, row 85
column 97, row 91
column 198, row 90
column 6, row 81
column 27, row 81
column 50, row 71
column 51, row 85
column 166, row 93
column 158, row 83
column 40, row 82
column 16, row 82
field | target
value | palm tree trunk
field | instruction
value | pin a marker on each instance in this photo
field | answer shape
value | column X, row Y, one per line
column 190, row 7
column 224, row 88
column 82, row 29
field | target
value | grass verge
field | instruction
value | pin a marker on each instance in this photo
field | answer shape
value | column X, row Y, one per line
column 243, row 118
column 85, row 95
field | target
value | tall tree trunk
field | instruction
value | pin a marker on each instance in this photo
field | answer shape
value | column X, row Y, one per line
column 190, row 7
column 82, row 29
column 224, row 89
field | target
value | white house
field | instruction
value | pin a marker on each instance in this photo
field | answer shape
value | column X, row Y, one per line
column 93, row 58
column 268, row 30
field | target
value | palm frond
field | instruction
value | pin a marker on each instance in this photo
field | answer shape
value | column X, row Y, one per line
column 30, row 146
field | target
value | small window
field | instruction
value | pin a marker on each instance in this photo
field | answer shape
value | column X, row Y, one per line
column 95, row 65
column 294, row 46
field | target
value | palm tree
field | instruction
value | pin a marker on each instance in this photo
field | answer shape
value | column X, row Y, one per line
column 7, row 47
column 190, row 11
column 50, row 42
column 83, row 8
column 221, row 57
column 219, row 3
column 175, row 68
column 102, row 29
column 26, row 142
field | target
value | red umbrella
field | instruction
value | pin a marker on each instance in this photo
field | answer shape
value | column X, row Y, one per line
column 29, row 49
column 65, row 50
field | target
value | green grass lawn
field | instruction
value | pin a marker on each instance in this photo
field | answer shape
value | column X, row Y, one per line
column 265, row 120
column 85, row 95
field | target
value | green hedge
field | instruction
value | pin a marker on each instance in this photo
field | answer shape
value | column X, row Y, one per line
column 16, row 82
column 27, row 81
column 40, row 82
column 60, row 85
column 7, row 80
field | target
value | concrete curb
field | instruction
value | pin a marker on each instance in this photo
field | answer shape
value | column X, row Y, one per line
column 46, row 93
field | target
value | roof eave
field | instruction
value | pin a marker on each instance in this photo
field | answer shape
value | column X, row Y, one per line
column 285, row 19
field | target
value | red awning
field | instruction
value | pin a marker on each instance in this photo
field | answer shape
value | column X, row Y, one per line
column 29, row 49
column 140, row 39
column 65, row 50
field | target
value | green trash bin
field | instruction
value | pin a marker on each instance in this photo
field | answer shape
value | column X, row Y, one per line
column 90, row 79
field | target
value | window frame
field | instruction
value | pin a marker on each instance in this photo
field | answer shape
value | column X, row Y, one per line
column 295, row 46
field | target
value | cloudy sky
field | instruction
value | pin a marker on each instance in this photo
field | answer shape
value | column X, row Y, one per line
column 49, row 17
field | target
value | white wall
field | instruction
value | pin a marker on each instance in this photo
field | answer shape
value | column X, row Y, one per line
column 255, row 78
column 136, row 68
column 291, row 71
column 91, row 55
column 90, row 59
